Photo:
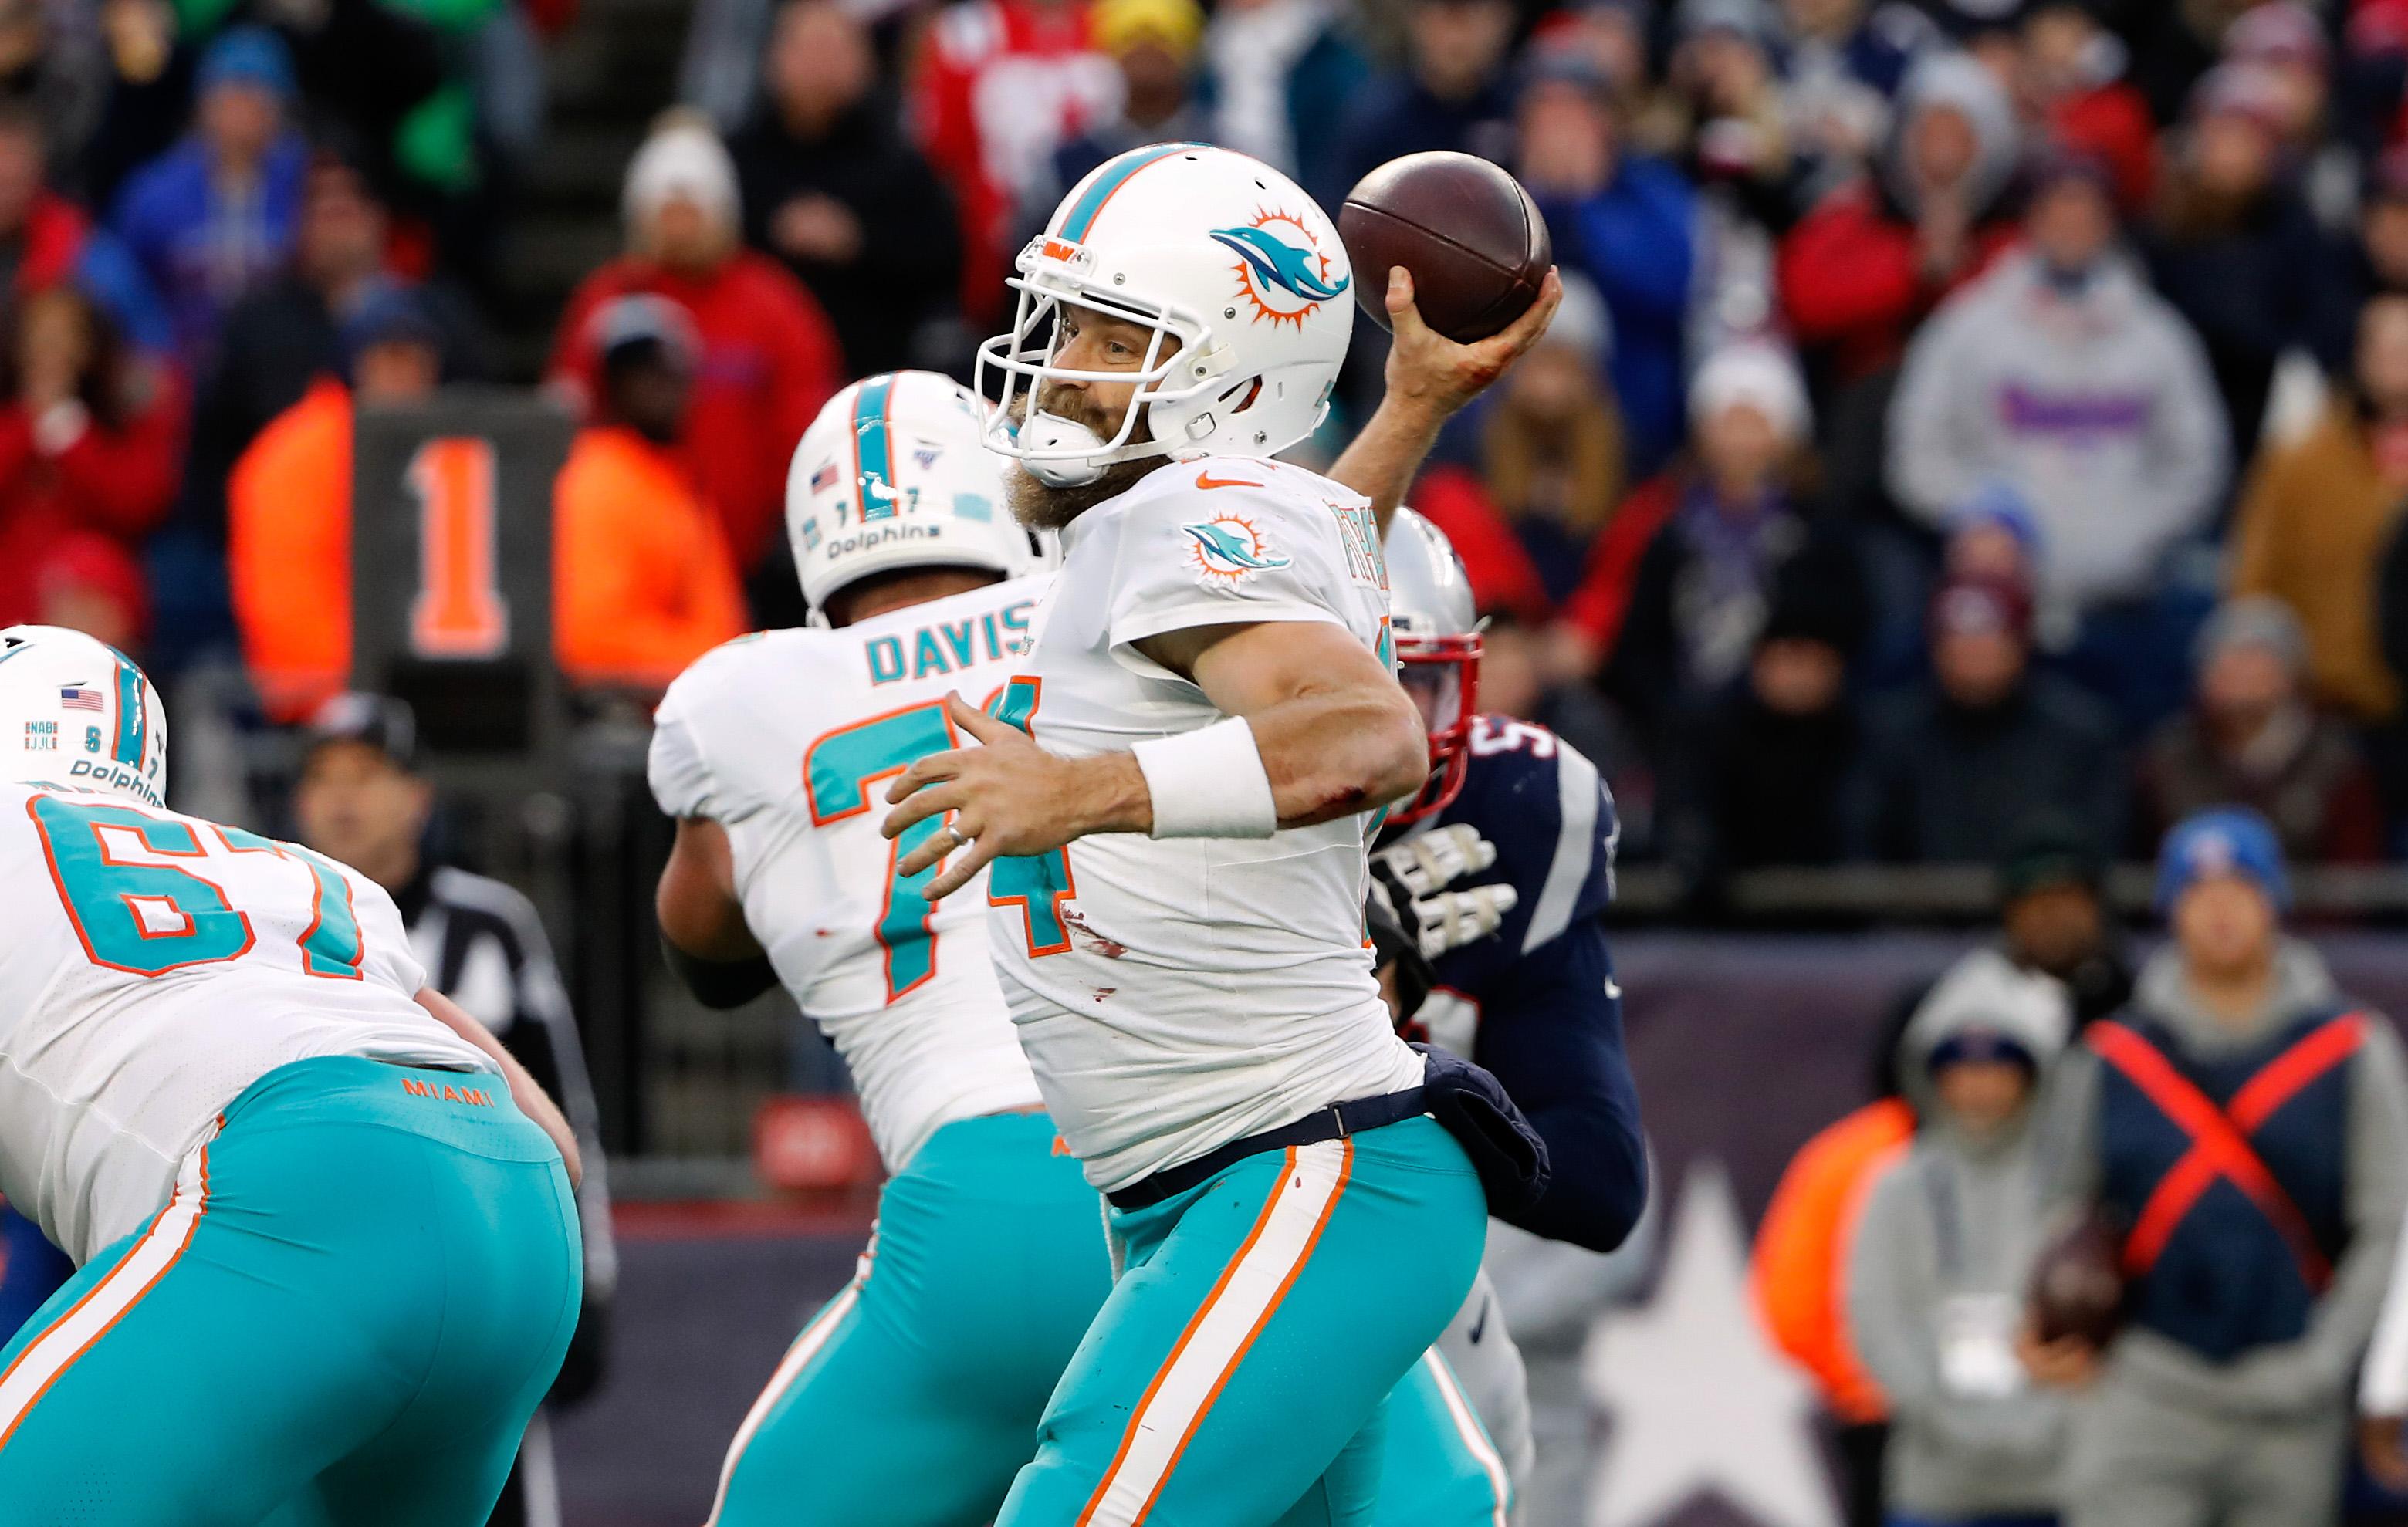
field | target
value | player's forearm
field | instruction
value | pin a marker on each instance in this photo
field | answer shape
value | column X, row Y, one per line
column 1332, row 753
column 1382, row 459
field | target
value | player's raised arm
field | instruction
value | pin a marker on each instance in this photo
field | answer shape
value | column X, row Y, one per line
column 1316, row 729
column 1429, row 378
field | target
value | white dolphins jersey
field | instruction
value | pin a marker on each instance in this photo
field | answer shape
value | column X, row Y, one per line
column 1175, row 995
column 788, row 739
column 158, row 964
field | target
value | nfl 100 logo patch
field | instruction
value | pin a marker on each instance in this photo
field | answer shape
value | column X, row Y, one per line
column 42, row 736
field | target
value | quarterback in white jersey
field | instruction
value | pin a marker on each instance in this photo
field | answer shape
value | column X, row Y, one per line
column 913, row 1398
column 1177, row 815
column 277, row 1159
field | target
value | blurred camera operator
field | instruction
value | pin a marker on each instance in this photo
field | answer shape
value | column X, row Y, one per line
column 361, row 800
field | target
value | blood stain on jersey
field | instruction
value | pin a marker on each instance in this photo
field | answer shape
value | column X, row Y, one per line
column 1111, row 949
column 1227, row 550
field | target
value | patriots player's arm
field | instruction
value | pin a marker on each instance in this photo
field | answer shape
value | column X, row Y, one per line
column 525, row 1090
column 1553, row 1037
column 703, row 933
column 1428, row 379
column 1336, row 732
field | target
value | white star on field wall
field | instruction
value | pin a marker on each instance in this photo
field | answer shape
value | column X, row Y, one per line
column 1698, row 1401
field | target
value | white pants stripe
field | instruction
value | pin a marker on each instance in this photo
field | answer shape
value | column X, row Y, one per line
column 799, row 1357
column 51, row 1354
column 1219, row 1334
column 1474, row 1435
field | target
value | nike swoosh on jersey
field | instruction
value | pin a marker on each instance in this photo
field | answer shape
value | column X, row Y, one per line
column 1207, row 480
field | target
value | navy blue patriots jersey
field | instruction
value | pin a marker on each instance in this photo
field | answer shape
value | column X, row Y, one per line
column 1536, row 1003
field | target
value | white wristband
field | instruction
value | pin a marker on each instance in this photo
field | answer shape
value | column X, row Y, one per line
column 1209, row 783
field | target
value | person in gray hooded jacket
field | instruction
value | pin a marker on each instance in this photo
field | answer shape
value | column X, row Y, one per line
column 2248, row 1126
column 2062, row 375
column 1946, row 1246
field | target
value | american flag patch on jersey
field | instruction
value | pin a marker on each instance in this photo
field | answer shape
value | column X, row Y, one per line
column 75, row 697
column 824, row 478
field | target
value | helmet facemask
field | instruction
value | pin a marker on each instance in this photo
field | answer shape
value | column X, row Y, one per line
column 1179, row 386
column 1443, row 675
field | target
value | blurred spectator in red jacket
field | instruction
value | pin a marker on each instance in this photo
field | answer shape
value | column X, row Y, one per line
column 769, row 357
column 2069, row 84
column 2252, row 739
column 1861, row 270
column 90, row 582
column 1000, row 84
column 1550, row 470
column 90, row 440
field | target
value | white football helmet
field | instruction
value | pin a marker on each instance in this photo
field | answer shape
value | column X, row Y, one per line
column 894, row 473
column 1437, row 624
column 1238, row 272
column 76, row 711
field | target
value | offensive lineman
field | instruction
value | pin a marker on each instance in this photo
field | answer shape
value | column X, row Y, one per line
column 914, row 1395
column 327, row 1235
column 1188, row 974
column 1534, row 1003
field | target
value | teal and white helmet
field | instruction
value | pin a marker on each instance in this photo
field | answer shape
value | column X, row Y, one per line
column 894, row 473
column 76, row 711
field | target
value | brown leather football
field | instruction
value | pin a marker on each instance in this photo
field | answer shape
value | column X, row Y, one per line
column 2077, row 1284
column 1472, row 239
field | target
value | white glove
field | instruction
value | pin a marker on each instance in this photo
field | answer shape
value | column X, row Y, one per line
column 1411, row 875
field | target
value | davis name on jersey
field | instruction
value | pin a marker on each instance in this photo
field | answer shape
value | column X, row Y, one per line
column 1177, row 994
column 157, row 966
column 787, row 739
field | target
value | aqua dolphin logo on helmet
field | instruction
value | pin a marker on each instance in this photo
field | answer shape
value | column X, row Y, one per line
column 1281, row 268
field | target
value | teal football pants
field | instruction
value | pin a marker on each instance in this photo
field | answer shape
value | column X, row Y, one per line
column 1438, row 1467
column 913, row 1398
column 1235, row 1375
column 345, row 1314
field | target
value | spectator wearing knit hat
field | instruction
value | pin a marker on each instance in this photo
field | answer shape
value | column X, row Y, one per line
column 767, row 359
column 1864, row 267
column 2063, row 375
column 215, row 215
column 1733, row 524
column 2251, row 738
column 2252, row 1287
column 1952, row 767
column 2318, row 511
column 1624, row 220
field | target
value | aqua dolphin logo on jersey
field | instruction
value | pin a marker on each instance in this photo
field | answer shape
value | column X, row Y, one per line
column 1281, row 268
column 1227, row 548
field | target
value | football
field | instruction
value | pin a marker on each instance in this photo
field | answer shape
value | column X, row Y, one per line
column 2077, row 1285
column 1468, row 231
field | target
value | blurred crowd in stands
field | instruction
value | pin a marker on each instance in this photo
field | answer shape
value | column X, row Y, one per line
column 1960, row 409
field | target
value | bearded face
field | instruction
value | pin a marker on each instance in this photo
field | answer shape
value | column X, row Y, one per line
column 1042, row 507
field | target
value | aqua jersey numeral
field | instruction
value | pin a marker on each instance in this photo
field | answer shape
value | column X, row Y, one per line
column 147, row 918
column 330, row 946
column 1039, row 883
column 838, row 771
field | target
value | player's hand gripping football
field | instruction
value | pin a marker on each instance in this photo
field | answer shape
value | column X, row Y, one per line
column 1436, row 375
column 1008, row 797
